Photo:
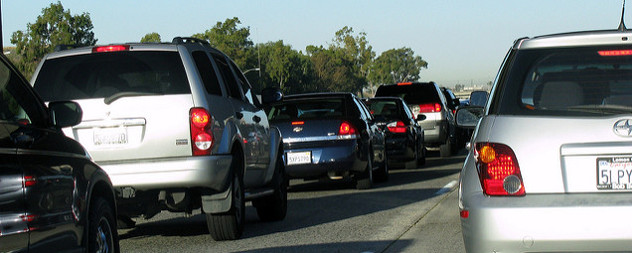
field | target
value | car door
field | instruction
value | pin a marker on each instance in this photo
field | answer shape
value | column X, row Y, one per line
column 46, row 160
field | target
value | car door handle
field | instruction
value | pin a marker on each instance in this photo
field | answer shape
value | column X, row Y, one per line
column 256, row 119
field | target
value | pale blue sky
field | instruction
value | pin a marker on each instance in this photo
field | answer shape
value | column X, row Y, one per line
column 462, row 41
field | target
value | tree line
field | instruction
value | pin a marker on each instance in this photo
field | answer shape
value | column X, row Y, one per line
column 347, row 64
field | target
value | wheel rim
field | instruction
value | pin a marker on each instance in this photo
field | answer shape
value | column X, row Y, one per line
column 104, row 240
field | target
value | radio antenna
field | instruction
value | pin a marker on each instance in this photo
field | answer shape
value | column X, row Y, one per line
column 622, row 25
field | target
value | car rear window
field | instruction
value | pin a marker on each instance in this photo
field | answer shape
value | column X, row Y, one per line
column 383, row 109
column 321, row 108
column 101, row 75
column 412, row 94
column 586, row 81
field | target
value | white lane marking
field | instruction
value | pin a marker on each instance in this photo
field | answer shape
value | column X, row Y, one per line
column 446, row 188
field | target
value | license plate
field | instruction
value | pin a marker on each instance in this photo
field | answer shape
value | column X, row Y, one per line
column 299, row 157
column 614, row 173
column 110, row 136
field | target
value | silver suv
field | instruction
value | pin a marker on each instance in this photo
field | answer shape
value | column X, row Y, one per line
column 176, row 126
column 550, row 161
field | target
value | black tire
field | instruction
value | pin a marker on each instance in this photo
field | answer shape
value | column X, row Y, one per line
column 102, row 234
column 365, row 180
column 230, row 225
column 445, row 150
column 421, row 157
column 382, row 173
column 274, row 207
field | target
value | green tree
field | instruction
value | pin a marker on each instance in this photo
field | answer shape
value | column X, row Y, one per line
column 54, row 27
column 357, row 52
column 151, row 38
column 332, row 71
column 397, row 65
column 233, row 41
column 284, row 67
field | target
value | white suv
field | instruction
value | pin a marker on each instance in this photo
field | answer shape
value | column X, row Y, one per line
column 172, row 125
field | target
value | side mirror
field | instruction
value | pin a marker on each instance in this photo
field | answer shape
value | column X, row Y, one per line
column 467, row 117
column 271, row 95
column 421, row 117
column 65, row 113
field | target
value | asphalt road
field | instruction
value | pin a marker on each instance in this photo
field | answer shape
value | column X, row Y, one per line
column 415, row 211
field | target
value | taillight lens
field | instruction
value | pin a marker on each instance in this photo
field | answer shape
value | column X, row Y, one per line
column 397, row 127
column 110, row 48
column 499, row 170
column 29, row 181
column 346, row 129
column 432, row 107
column 201, row 135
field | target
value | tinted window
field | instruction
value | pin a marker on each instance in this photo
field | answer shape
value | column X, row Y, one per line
column 412, row 94
column 17, row 104
column 245, row 85
column 384, row 109
column 572, row 81
column 104, row 74
column 321, row 108
column 227, row 76
column 207, row 73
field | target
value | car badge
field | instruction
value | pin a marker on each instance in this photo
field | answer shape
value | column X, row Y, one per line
column 623, row 128
column 297, row 129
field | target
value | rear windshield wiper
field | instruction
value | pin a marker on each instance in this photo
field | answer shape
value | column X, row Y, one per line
column 110, row 99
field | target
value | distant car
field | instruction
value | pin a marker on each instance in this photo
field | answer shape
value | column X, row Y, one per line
column 53, row 198
column 551, row 157
column 176, row 126
column 404, row 137
column 330, row 135
column 429, row 100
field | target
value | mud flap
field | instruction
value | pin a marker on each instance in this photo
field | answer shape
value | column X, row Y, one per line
column 218, row 203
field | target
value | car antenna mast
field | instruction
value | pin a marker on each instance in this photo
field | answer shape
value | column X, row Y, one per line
column 622, row 25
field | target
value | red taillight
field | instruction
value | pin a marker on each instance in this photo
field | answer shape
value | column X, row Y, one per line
column 346, row 129
column 29, row 181
column 624, row 52
column 432, row 107
column 397, row 127
column 465, row 214
column 201, row 135
column 499, row 170
column 404, row 83
column 294, row 123
column 110, row 48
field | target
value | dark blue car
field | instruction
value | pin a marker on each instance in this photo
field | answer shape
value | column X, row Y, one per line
column 330, row 135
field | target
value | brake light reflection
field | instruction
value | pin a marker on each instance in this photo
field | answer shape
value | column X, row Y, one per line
column 615, row 52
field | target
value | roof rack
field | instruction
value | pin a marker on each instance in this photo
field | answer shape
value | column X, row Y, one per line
column 185, row 40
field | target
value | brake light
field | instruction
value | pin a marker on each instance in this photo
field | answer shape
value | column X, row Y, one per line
column 201, row 135
column 397, row 127
column 29, row 181
column 294, row 123
column 346, row 129
column 615, row 52
column 404, row 83
column 498, row 170
column 432, row 107
column 110, row 48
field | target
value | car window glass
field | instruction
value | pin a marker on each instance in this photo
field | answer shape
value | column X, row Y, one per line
column 227, row 75
column 207, row 73
column 14, row 103
column 105, row 74
column 245, row 86
column 322, row 108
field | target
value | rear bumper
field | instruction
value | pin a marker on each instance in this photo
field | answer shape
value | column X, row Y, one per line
column 332, row 158
column 399, row 149
column 546, row 223
column 203, row 171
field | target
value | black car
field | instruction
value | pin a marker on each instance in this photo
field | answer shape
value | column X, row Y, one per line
column 330, row 135
column 427, row 98
column 404, row 137
column 53, row 198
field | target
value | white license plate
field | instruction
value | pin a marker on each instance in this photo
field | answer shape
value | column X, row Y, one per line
column 614, row 173
column 110, row 136
column 299, row 157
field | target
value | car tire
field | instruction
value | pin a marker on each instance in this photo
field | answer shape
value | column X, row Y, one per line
column 274, row 207
column 102, row 234
column 230, row 225
column 365, row 181
column 421, row 157
column 382, row 173
column 445, row 150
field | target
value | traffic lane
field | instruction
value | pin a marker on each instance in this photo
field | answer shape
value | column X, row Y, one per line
column 330, row 216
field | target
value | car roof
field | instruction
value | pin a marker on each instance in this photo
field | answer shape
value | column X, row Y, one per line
column 318, row 95
column 583, row 38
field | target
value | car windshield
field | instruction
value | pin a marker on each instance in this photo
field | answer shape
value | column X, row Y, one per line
column 321, row 108
column 104, row 75
column 588, row 81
